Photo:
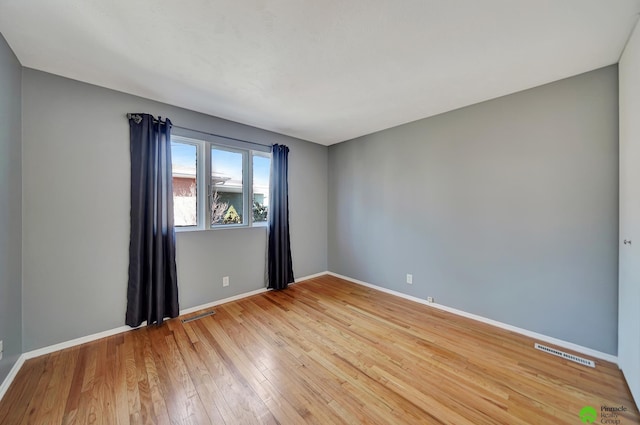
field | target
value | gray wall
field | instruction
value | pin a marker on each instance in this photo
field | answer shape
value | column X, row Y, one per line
column 76, row 217
column 10, row 208
column 506, row 209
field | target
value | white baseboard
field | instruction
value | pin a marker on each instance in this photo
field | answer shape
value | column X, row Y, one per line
column 12, row 375
column 89, row 338
column 551, row 340
column 311, row 276
column 77, row 341
column 241, row 296
column 93, row 337
column 222, row 301
column 82, row 340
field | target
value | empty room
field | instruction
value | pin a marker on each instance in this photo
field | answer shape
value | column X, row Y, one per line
column 297, row 212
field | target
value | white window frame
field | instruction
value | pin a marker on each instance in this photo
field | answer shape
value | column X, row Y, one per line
column 251, row 155
column 204, row 186
column 199, row 188
column 245, row 174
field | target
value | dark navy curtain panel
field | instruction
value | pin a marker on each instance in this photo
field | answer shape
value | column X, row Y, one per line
column 279, row 264
column 152, row 293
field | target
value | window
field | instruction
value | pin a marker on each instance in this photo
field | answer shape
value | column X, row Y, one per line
column 227, row 186
column 235, row 194
column 261, row 173
column 184, row 166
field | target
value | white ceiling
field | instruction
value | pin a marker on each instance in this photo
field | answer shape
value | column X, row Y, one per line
column 324, row 71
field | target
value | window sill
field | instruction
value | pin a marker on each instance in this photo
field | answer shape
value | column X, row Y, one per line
column 191, row 229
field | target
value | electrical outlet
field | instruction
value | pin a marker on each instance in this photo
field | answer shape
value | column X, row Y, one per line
column 410, row 279
column 225, row 281
column 430, row 300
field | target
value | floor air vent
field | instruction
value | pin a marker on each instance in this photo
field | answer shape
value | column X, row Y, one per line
column 564, row 355
column 199, row 316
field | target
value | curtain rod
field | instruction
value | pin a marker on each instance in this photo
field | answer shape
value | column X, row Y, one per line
column 209, row 134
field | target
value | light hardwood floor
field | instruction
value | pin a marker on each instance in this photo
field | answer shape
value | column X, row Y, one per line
column 325, row 351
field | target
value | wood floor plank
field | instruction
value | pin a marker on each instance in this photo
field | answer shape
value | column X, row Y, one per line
column 120, row 386
column 324, row 351
column 13, row 406
column 234, row 384
column 73, row 399
column 131, row 376
column 35, row 404
column 57, row 393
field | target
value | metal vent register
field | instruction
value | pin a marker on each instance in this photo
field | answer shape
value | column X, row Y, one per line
column 582, row 361
column 199, row 316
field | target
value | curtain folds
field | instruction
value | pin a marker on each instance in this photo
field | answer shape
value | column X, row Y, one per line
column 152, row 292
column 279, row 264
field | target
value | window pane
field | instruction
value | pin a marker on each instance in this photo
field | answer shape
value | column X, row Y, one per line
column 261, row 170
column 185, row 190
column 226, row 186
